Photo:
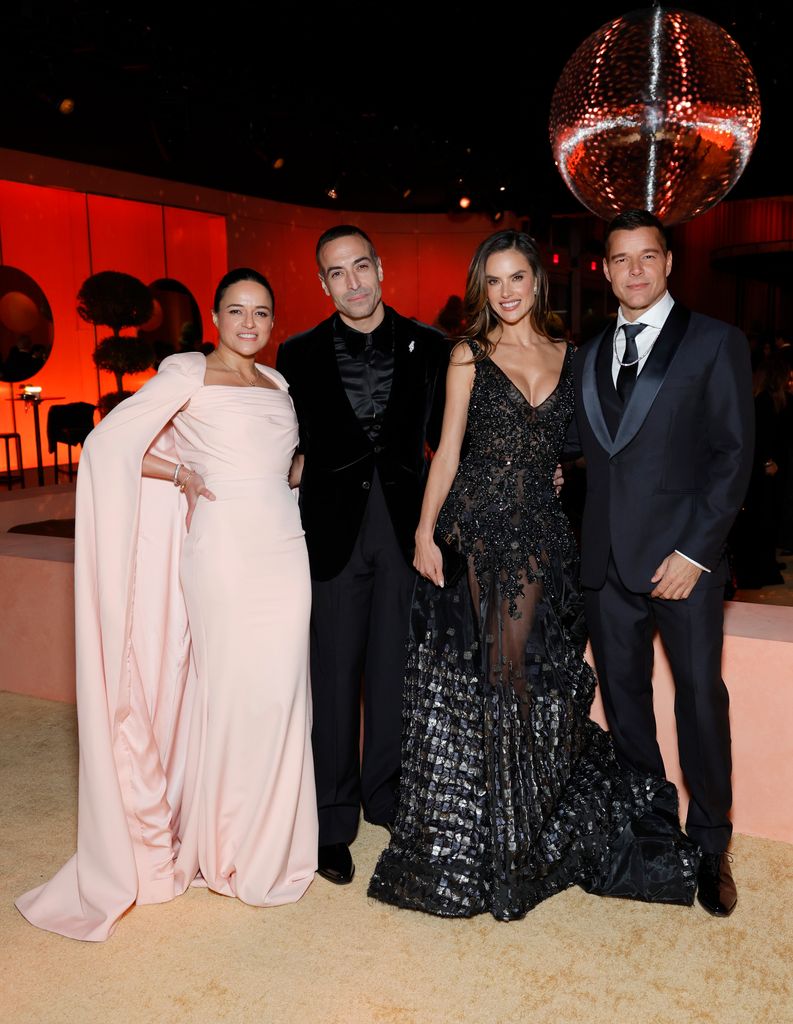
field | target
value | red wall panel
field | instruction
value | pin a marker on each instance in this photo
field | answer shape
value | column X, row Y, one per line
column 60, row 237
column 195, row 255
column 745, row 223
column 43, row 232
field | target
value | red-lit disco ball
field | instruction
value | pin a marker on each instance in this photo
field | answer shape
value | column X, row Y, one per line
column 658, row 110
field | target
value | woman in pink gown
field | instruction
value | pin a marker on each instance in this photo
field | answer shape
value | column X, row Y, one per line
column 192, row 641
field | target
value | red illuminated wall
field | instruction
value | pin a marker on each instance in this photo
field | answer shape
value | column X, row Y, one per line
column 747, row 223
column 61, row 222
column 59, row 238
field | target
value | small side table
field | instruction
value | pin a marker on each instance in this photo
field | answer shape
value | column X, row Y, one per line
column 35, row 400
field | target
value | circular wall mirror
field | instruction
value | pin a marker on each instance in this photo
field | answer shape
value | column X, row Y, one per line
column 26, row 326
column 175, row 324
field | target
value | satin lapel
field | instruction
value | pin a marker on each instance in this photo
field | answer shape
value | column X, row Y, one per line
column 589, row 393
column 649, row 381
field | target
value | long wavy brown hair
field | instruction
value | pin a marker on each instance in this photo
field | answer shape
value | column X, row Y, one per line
column 482, row 321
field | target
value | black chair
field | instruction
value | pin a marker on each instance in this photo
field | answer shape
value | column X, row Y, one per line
column 70, row 425
column 19, row 476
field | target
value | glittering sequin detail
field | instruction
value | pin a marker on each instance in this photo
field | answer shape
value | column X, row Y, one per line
column 509, row 792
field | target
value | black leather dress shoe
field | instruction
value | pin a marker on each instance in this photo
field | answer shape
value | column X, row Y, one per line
column 335, row 863
column 715, row 886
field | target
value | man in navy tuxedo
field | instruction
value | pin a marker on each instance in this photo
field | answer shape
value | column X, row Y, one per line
column 664, row 418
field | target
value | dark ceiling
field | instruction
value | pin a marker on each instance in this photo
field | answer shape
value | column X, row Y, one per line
column 396, row 108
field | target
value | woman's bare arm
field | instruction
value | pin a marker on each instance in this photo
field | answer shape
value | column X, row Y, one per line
column 459, row 381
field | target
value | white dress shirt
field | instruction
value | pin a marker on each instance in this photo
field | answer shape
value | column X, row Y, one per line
column 654, row 319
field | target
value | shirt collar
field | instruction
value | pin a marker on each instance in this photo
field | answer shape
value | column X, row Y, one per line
column 382, row 337
column 655, row 316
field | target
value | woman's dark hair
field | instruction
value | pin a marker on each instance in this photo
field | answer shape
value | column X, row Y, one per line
column 482, row 321
column 234, row 277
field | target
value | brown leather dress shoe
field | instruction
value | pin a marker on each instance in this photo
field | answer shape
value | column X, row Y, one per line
column 335, row 863
column 715, row 886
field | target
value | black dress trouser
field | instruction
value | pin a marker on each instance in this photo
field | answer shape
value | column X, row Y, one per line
column 359, row 628
column 621, row 625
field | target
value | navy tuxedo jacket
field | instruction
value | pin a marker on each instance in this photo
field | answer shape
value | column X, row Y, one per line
column 671, row 470
column 340, row 459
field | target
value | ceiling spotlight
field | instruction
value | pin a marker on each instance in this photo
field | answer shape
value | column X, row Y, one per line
column 465, row 202
column 331, row 193
column 66, row 106
column 502, row 188
column 278, row 163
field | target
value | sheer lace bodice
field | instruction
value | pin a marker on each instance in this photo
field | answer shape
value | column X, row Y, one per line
column 502, row 503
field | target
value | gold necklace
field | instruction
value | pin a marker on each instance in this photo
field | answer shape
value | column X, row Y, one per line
column 250, row 383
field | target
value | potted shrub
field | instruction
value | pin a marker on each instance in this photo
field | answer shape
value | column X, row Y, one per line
column 116, row 300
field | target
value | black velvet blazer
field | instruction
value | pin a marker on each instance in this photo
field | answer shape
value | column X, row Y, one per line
column 671, row 472
column 340, row 459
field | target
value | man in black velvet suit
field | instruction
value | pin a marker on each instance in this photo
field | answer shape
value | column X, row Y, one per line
column 368, row 387
column 664, row 418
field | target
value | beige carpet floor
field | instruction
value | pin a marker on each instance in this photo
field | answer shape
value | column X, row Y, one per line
column 337, row 957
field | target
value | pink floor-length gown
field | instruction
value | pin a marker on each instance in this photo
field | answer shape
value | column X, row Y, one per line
column 193, row 697
column 247, row 588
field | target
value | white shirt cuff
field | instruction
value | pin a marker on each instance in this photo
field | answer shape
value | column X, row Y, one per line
column 702, row 567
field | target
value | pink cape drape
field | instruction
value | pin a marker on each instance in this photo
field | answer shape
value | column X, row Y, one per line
column 134, row 682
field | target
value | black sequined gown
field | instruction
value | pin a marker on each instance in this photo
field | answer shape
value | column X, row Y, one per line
column 509, row 791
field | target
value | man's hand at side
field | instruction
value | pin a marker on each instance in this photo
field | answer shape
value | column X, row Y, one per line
column 675, row 578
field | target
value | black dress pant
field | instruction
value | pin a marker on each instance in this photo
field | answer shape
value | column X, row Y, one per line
column 359, row 628
column 621, row 626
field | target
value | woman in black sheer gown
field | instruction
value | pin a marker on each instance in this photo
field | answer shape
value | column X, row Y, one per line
column 509, row 791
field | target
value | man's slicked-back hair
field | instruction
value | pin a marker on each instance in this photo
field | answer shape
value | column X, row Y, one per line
column 343, row 231
column 630, row 220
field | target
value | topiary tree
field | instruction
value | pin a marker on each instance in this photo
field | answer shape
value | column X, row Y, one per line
column 123, row 355
column 115, row 300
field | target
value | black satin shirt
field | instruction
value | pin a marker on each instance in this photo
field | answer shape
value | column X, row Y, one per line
column 366, row 367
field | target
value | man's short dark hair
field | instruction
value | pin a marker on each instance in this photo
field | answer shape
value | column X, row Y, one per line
column 343, row 231
column 630, row 220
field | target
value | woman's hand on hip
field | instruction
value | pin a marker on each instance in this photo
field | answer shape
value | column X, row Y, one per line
column 194, row 489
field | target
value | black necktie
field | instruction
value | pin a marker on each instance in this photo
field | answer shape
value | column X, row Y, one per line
column 629, row 364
